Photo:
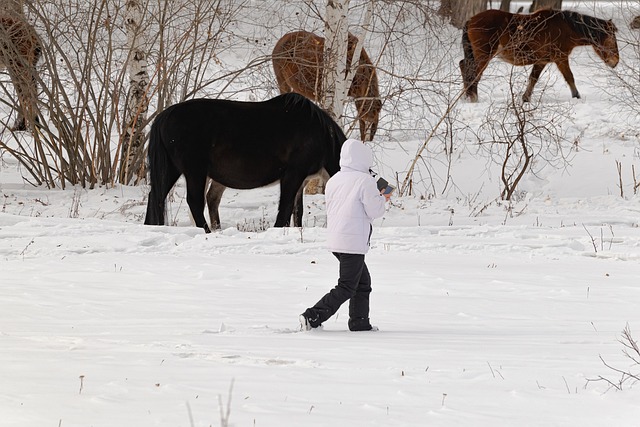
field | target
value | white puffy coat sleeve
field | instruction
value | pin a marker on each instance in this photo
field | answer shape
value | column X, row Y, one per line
column 373, row 201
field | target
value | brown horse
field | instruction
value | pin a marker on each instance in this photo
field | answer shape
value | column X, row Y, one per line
column 20, row 50
column 298, row 66
column 537, row 39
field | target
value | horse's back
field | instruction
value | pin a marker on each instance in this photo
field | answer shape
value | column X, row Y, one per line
column 489, row 19
column 246, row 144
column 297, row 62
column 295, row 39
column 198, row 124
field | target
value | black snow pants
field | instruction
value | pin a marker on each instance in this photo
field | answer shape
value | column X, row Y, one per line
column 354, row 285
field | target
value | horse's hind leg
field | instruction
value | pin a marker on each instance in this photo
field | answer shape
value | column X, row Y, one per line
column 298, row 207
column 469, row 68
column 470, row 88
column 158, row 195
column 196, row 185
column 214, row 195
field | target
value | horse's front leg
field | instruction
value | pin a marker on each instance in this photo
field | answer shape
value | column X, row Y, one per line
column 195, row 199
column 368, row 129
column 563, row 66
column 214, row 195
column 533, row 79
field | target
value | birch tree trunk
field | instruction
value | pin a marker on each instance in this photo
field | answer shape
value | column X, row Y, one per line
column 335, row 73
column 336, row 33
column 135, row 115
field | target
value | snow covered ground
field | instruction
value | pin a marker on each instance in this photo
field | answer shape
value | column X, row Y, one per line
column 490, row 314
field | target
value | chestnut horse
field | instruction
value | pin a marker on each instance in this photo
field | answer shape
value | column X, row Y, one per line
column 537, row 39
column 20, row 50
column 298, row 66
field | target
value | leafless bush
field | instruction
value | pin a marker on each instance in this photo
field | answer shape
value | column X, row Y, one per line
column 627, row 376
column 84, row 81
column 520, row 137
column 625, row 75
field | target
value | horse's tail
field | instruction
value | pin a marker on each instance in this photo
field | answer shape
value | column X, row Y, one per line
column 158, row 164
column 467, row 64
column 466, row 43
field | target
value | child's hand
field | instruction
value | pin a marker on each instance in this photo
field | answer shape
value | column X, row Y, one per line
column 387, row 196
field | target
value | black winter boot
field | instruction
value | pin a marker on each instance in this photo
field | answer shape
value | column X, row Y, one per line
column 361, row 324
column 309, row 320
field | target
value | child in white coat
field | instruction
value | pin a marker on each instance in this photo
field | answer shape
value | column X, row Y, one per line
column 353, row 201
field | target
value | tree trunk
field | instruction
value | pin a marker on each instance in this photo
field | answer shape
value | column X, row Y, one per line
column 505, row 5
column 541, row 4
column 459, row 11
column 135, row 115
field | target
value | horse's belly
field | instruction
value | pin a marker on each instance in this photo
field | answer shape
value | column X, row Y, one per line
column 518, row 55
column 244, row 175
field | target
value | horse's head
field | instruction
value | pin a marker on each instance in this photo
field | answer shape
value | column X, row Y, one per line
column 364, row 89
column 599, row 33
column 606, row 45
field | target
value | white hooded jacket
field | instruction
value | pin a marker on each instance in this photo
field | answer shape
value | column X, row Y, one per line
column 353, row 200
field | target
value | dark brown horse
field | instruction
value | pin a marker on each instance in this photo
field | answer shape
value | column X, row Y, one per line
column 20, row 50
column 537, row 39
column 298, row 66
column 240, row 145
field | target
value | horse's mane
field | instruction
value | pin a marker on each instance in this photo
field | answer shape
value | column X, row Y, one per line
column 331, row 127
column 589, row 27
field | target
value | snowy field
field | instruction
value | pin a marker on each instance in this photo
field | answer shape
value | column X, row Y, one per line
column 490, row 313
